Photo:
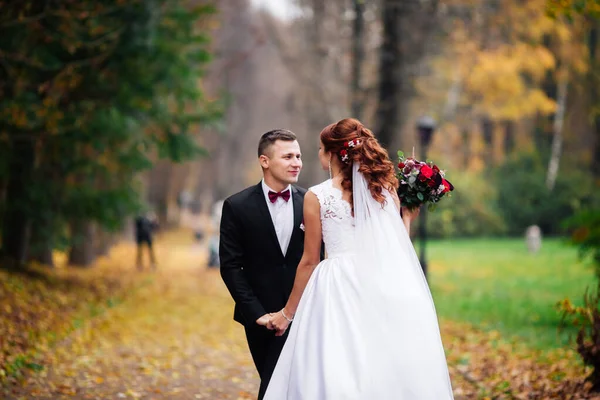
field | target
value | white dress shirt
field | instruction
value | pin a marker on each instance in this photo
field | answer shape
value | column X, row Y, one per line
column 282, row 215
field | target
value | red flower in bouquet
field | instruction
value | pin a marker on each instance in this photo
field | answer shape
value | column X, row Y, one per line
column 420, row 182
column 447, row 186
column 426, row 171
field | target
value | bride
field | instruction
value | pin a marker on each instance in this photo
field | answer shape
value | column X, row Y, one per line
column 365, row 326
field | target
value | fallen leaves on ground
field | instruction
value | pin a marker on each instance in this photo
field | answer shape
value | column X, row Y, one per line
column 483, row 365
column 39, row 305
column 173, row 338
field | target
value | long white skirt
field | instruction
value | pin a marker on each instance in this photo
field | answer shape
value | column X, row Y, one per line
column 360, row 334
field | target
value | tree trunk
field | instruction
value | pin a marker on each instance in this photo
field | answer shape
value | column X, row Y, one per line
column 594, row 85
column 159, row 181
column 452, row 98
column 42, row 255
column 82, row 252
column 41, row 241
column 316, row 102
column 16, row 224
column 390, row 71
column 487, row 132
column 466, row 140
column 104, row 242
column 509, row 137
column 557, row 137
column 543, row 126
column 40, row 246
column 358, row 54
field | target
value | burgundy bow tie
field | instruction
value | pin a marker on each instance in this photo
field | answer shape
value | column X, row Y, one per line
column 285, row 195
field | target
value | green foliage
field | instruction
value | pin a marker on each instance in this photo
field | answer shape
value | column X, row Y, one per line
column 98, row 89
column 469, row 211
column 586, row 235
column 570, row 8
column 585, row 227
column 524, row 199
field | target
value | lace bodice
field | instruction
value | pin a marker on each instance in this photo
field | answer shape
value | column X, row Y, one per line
column 337, row 222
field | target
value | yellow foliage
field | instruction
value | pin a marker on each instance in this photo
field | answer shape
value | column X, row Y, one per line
column 503, row 58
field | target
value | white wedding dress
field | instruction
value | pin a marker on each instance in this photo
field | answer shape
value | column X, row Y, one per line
column 366, row 327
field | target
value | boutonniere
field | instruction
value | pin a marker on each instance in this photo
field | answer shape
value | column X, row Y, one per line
column 302, row 225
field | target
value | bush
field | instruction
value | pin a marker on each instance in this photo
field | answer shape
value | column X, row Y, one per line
column 585, row 227
column 469, row 211
column 524, row 199
column 587, row 319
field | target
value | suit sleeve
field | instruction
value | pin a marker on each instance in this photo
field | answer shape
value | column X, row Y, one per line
column 231, row 257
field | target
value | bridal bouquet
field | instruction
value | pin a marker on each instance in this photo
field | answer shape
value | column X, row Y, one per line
column 420, row 182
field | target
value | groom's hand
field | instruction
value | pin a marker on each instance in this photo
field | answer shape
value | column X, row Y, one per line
column 264, row 320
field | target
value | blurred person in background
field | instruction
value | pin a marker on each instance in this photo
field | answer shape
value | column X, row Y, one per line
column 213, row 240
column 145, row 225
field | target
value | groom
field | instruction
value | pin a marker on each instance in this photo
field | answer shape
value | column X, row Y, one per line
column 261, row 243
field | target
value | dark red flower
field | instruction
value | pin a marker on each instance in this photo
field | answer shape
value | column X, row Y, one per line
column 435, row 169
column 447, row 186
column 343, row 152
column 401, row 165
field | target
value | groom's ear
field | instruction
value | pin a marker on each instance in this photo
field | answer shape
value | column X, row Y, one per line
column 264, row 161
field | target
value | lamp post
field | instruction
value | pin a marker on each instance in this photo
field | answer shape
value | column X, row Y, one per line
column 425, row 128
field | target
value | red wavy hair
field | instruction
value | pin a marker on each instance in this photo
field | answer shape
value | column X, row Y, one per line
column 374, row 161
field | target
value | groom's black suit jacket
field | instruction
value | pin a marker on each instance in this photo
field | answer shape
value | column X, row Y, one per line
column 257, row 274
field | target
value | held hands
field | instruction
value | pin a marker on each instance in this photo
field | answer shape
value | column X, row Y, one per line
column 276, row 322
column 265, row 319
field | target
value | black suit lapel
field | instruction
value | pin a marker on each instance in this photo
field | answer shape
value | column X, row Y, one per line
column 298, row 200
column 265, row 216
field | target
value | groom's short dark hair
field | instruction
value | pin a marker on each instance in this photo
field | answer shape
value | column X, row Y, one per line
column 267, row 139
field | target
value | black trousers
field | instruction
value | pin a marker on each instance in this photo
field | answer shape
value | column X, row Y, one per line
column 265, row 348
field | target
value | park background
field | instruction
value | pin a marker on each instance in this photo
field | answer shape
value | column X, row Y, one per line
column 112, row 108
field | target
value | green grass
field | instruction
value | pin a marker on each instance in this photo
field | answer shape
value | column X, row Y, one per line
column 497, row 284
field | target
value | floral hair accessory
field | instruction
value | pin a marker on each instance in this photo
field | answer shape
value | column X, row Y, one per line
column 352, row 143
column 344, row 156
column 347, row 147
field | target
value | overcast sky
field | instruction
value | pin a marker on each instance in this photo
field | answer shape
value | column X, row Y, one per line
column 283, row 9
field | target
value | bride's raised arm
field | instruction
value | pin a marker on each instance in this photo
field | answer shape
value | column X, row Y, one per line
column 310, row 259
column 406, row 214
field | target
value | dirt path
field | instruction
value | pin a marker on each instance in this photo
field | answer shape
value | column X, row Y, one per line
column 173, row 338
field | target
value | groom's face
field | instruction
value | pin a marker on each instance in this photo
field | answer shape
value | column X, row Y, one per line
column 283, row 161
